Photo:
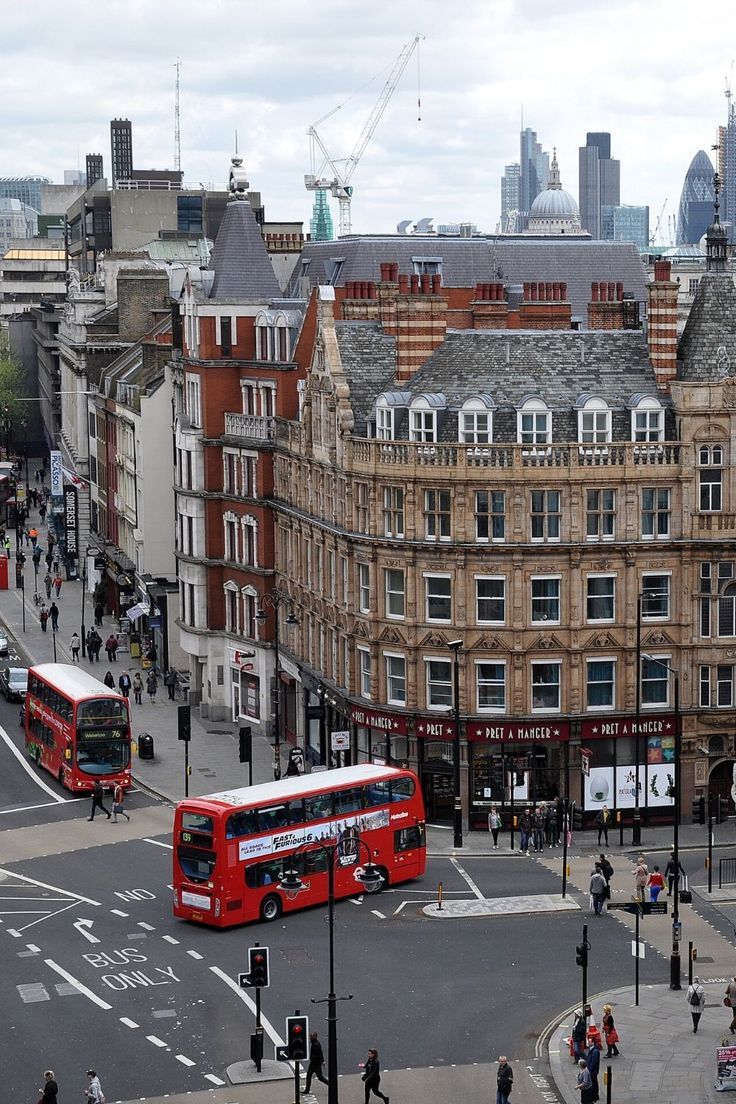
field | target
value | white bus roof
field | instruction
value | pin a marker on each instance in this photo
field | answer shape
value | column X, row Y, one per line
column 286, row 788
column 72, row 681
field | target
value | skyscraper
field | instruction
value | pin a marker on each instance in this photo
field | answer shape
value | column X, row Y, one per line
column 534, row 170
column 121, row 148
column 625, row 223
column 728, row 161
column 696, row 200
column 510, row 196
column 599, row 180
column 95, row 172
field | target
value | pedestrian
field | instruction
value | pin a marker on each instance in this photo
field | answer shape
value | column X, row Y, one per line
column 504, row 1080
column 152, row 656
column 597, row 889
column 593, row 1061
column 606, row 871
column 33, row 534
column 655, row 883
column 585, row 1083
column 7, row 547
column 526, row 827
column 551, row 824
column 669, row 872
column 36, row 557
column 118, row 799
column 602, row 823
column 49, row 557
column 43, row 617
column 138, row 688
column 99, row 611
column 494, row 824
column 111, row 647
column 57, row 580
column 641, row 876
column 316, row 1062
column 109, row 680
column 96, row 644
column 51, row 541
column 578, row 1037
column 54, row 612
column 94, row 1089
column 74, row 646
column 152, row 687
column 42, row 511
column 124, row 684
column 610, row 1033
column 540, row 819
column 170, row 681
column 730, row 1002
column 50, row 1089
column 696, row 1002
column 372, row 1076
column 97, row 795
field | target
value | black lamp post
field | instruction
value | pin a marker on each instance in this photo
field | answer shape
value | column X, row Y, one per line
column 641, row 598
column 275, row 599
column 292, row 884
column 455, row 646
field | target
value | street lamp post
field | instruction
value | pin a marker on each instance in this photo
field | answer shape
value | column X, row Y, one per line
column 642, row 596
column 291, row 884
column 455, row 646
column 275, row 599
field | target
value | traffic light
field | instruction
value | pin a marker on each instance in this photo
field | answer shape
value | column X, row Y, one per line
column 581, row 954
column 577, row 818
column 722, row 812
column 246, row 744
column 297, row 1034
column 258, row 967
column 699, row 810
column 184, row 718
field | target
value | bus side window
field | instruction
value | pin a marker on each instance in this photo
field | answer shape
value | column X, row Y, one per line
column 318, row 806
column 407, row 839
column 348, row 801
column 275, row 817
column 296, row 812
column 377, row 794
column 401, row 789
column 242, row 824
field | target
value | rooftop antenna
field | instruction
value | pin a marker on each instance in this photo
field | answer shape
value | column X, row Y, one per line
column 236, row 143
column 177, row 121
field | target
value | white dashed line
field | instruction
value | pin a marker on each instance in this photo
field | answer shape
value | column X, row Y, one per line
column 147, row 927
column 127, row 1022
column 214, row 1080
column 14, row 933
column 119, row 912
column 33, row 947
column 170, row 939
column 184, row 1060
column 156, row 1041
column 194, row 954
column 380, row 915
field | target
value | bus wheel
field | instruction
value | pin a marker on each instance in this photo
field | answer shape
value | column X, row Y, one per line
column 270, row 908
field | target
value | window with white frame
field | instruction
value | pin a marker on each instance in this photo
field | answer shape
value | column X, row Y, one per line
column 230, row 481
column 193, row 391
column 545, row 590
column 600, row 517
column 710, row 478
column 647, row 420
column 250, row 540
column 232, row 621
column 385, row 423
column 393, row 512
column 490, row 599
column 364, row 587
column 249, row 394
column 232, row 551
column 546, row 515
column 364, row 672
column 534, row 423
column 395, row 678
column 476, row 422
column 438, row 683
column 654, row 681
column 422, row 421
column 438, row 591
column 362, row 507
column 600, row 684
column 546, row 686
column 490, row 686
column 594, row 423
column 724, row 686
column 250, row 608
column 490, row 516
column 656, row 508
column 600, row 598
column 249, row 486
column 437, row 515
column 395, row 588
column 655, row 596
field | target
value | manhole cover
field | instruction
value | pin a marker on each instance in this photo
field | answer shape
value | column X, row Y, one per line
column 219, row 732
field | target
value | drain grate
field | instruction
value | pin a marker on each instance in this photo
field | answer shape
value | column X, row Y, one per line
column 219, row 732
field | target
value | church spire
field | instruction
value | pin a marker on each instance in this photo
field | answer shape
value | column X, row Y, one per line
column 715, row 235
column 555, row 183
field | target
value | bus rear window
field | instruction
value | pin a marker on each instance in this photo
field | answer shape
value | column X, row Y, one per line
column 197, row 866
column 197, row 822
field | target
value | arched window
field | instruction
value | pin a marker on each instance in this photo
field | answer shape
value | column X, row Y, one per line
column 594, row 421
column 647, row 419
column 476, row 420
column 534, row 422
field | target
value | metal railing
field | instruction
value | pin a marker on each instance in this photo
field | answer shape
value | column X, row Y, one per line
column 726, row 872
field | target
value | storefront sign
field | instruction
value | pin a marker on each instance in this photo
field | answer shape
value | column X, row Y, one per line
column 71, row 521
column 57, row 474
column 434, row 728
column 606, row 728
column 251, row 696
column 521, row 731
column 239, row 658
column 340, row 740
column 393, row 723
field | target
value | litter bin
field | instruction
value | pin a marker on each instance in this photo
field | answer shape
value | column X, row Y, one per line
column 145, row 746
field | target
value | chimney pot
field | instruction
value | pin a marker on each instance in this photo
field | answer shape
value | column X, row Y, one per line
column 533, row 291
column 604, row 291
column 372, row 293
column 611, row 292
column 414, row 284
column 394, row 272
column 436, row 283
column 556, row 291
column 385, row 269
column 620, row 292
column 426, row 283
column 350, row 289
column 563, row 291
column 662, row 271
column 403, row 284
column 594, row 292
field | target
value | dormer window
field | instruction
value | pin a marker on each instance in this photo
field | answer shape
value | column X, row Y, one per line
column 423, row 417
column 476, row 421
column 534, row 422
column 594, row 421
column 384, row 423
column 647, row 419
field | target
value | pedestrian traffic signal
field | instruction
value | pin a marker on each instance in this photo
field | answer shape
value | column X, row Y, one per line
column 581, row 954
column 246, row 744
column 258, row 967
column 699, row 810
column 297, row 1034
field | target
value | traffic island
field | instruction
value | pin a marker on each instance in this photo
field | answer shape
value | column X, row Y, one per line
column 501, row 906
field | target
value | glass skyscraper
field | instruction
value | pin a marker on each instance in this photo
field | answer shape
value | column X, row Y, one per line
column 695, row 213
column 599, row 178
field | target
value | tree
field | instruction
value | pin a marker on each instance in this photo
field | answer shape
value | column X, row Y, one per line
column 12, row 410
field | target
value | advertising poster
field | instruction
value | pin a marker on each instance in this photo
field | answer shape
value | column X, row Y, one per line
column 726, row 1059
column 598, row 788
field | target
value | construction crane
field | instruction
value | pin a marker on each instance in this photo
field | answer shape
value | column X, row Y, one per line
column 653, row 238
column 339, row 183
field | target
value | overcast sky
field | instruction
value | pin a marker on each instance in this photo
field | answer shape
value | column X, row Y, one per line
column 645, row 71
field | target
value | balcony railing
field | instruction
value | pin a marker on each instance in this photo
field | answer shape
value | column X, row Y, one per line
column 251, row 426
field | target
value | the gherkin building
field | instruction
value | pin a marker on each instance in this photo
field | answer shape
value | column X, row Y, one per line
column 696, row 201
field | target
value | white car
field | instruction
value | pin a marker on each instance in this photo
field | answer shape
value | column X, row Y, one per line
column 4, row 647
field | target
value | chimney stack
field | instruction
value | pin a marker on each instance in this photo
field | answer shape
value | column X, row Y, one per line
column 605, row 309
column 662, row 324
column 545, row 306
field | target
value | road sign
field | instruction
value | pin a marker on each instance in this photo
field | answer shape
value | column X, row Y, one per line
column 633, row 949
column 244, row 981
column 646, row 908
column 341, row 740
column 585, row 756
column 282, row 1054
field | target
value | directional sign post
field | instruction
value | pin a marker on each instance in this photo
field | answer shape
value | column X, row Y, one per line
column 639, row 909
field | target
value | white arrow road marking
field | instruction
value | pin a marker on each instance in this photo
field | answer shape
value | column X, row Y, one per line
column 28, row 768
column 78, row 985
column 82, row 925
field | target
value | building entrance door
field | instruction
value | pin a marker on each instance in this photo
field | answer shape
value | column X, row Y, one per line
column 721, row 782
column 439, row 795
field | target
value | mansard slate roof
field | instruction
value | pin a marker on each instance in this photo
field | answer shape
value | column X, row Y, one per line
column 707, row 349
column 369, row 361
column 241, row 265
column 468, row 261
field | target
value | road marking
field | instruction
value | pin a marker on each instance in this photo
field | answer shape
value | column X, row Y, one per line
column 380, row 915
column 195, row 954
column 156, row 1041
column 82, row 925
column 184, row 1060
column 464, row 874
column 78, row 985
column 127, row 1022
column 28, row 769
column 356, row 900
column 119, row 912
column 265, row 1023
column 158, row 843
column 14, row 933
column 214, row 1080
column 45, row 885
column 170, row 939
column 143, row 924
column 44, row 805
column 33, row 947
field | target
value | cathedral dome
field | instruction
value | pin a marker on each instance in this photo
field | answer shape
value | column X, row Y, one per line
column 554, row 211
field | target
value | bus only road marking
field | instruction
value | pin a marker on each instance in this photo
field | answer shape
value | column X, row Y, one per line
column 78, row 985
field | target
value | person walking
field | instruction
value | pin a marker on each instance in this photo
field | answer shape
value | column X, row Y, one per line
column 109, row 680
column 118, row 800
column 170, row 680
column 597, row 889
column 669, row 872
column 94, row 646
column 593, row 1061
column 578, row 1037
column 610, row 1034
column 124, row 684
column 730, row 1002
column 111, row 647
column 54, row 614
column 94, row 1088
column 551, row 825
column 641, row 876
column 99, row 611
column 655, row 883
column 494, row 825
column 138, row 688
column 696, row 1002
column 316, row 1062
column 504, row 1080
column 526, row 827
column 152, row 687
column 97, row 795
column 42, row 512
column 607, row 872
column 372, row 1076
column 49, row 1092
column 49, row 557
column 602, row 823
column 74, row 646
column 58, row 584
column 43, row 617
column 585, row 1083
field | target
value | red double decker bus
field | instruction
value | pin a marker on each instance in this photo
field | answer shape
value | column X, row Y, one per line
column 76, row 728
column 231, row 849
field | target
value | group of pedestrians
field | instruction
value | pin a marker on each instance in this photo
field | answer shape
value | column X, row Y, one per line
column 542, row 825
column 118, row 802
column 49, row 1091
column 653, row 881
